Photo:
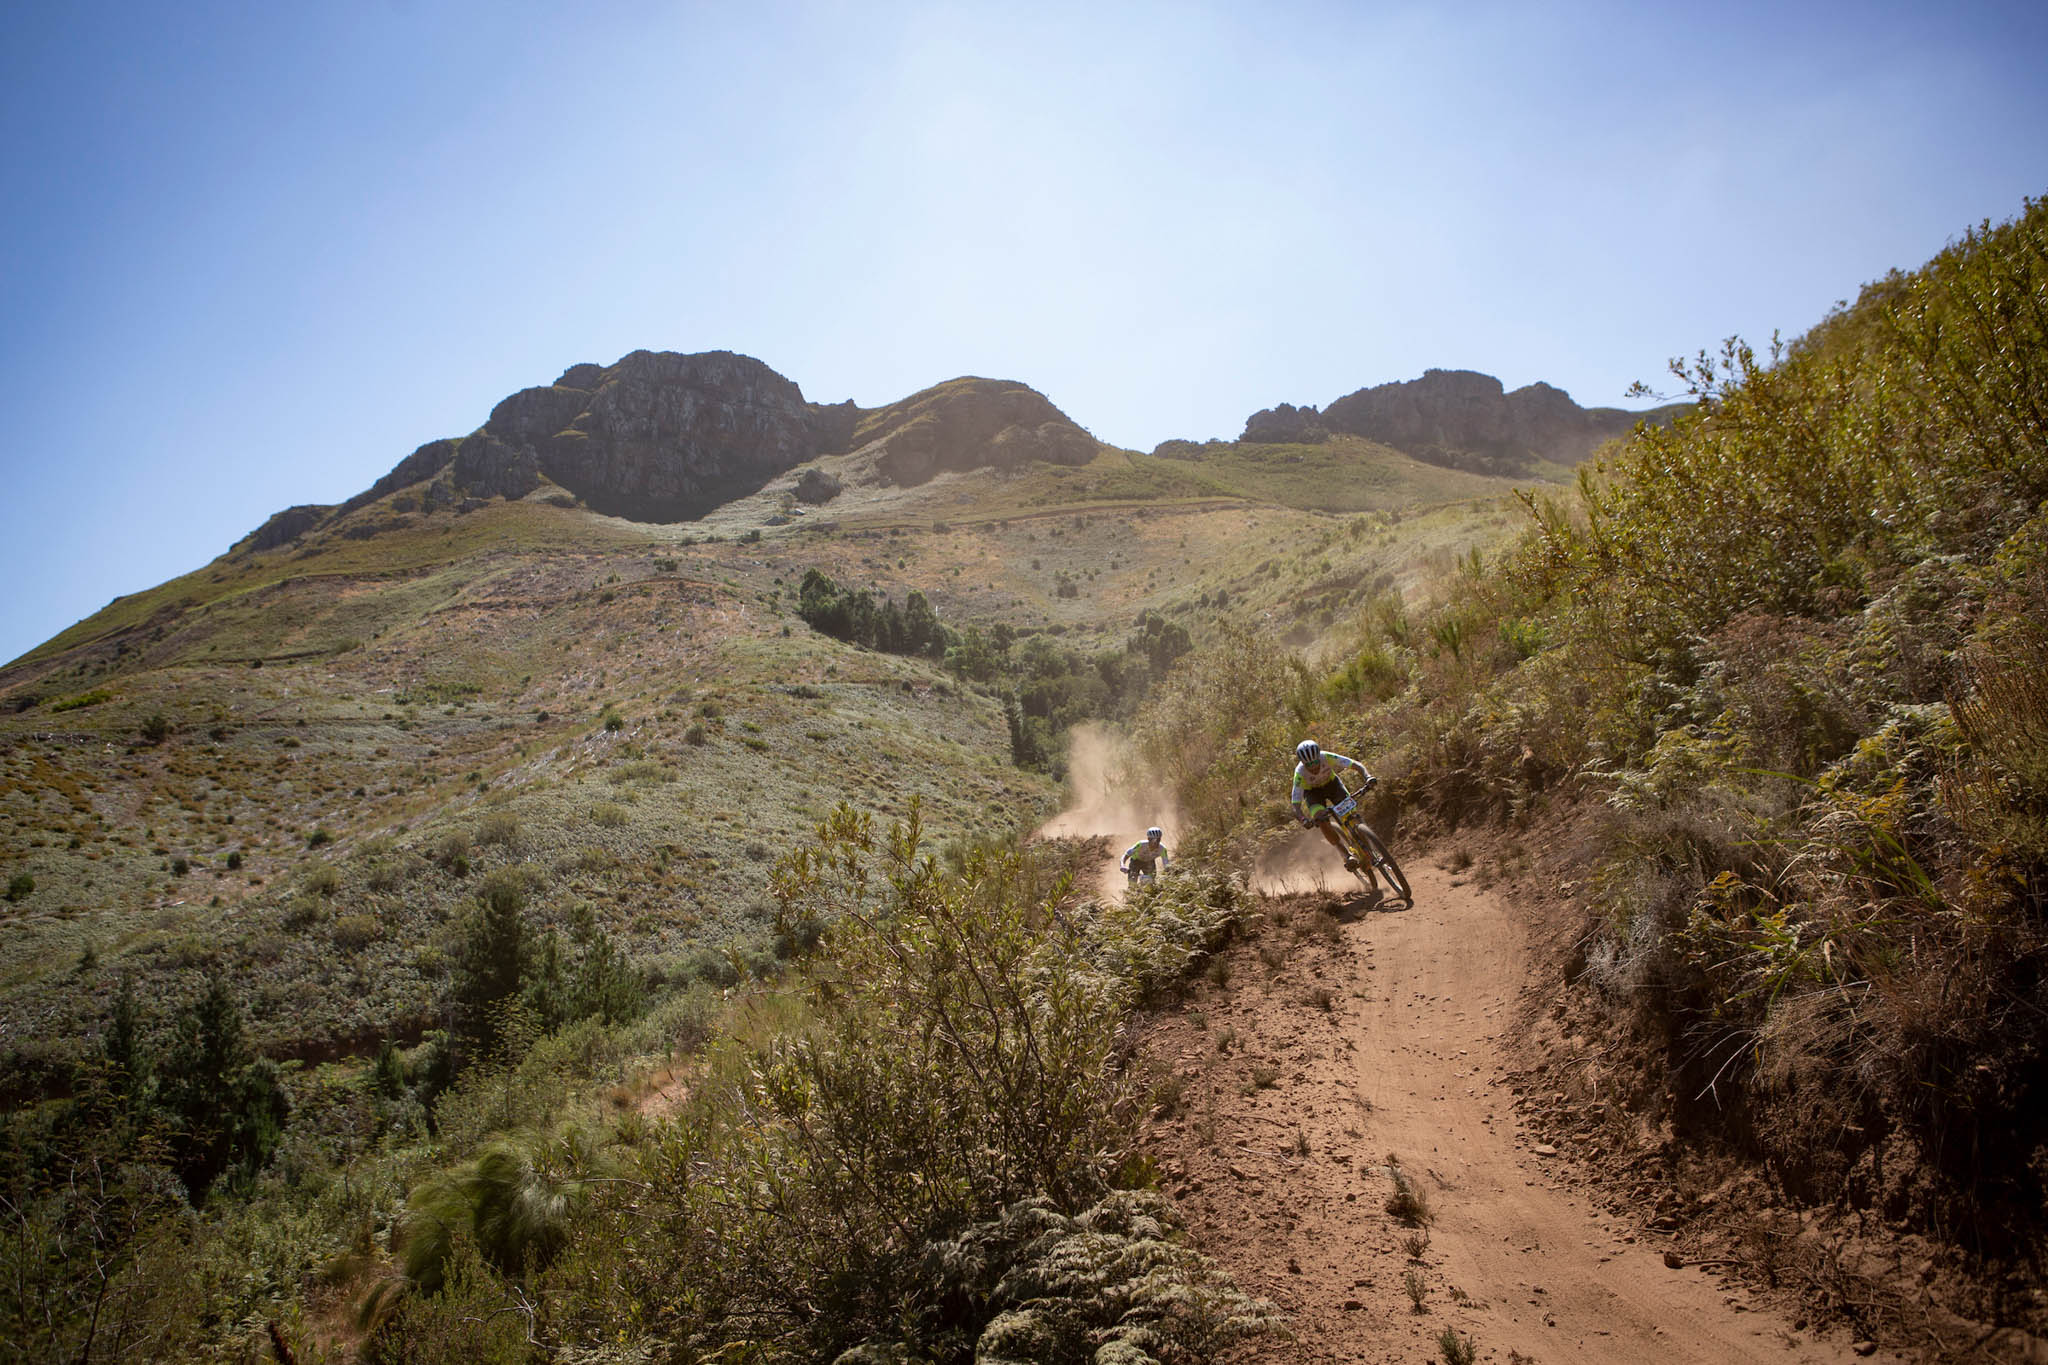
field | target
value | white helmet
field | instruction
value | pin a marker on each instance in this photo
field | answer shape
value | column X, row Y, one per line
column 1155, row 833
column 1309, row 752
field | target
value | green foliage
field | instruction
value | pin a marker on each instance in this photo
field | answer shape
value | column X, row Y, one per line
column 493, row 954
column 596, row 980
column 20, row 886
column 1113, row 1283
column 475, row 1318
column 513, row 1203
column 83, row 699
column 924, row 1144
column 856, row 617
column 227, row 1105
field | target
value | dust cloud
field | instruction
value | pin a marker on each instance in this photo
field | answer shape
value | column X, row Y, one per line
column 1108, row 798
column 1303, row 862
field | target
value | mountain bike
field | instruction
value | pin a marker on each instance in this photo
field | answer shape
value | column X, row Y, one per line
column 1366, row 848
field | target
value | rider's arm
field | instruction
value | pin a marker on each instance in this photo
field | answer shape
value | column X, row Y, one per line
column 1294, row 799
column 1340, row 761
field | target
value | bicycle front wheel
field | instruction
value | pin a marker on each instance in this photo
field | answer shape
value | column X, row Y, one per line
column 1384, row 864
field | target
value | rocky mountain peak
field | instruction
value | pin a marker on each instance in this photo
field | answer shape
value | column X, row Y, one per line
column 969, row 423
column 1468, row 420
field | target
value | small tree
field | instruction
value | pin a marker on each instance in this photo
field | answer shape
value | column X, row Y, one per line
column 493, row 957
column 227, row 1105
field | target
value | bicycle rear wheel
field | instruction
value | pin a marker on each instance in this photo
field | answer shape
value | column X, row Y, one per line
column 1383, row 863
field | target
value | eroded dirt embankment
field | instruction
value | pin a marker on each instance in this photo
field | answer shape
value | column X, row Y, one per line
column 1339, row 1047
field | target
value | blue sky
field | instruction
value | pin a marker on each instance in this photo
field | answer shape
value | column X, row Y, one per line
column 256, row 253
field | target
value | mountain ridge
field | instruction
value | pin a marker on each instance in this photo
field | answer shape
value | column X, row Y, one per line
column 666, row 437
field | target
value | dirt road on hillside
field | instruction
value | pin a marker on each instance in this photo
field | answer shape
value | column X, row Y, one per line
column 1338, row 1051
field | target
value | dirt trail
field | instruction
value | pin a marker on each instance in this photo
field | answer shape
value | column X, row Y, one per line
column 1292, row 1113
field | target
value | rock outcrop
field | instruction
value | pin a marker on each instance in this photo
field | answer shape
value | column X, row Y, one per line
column 660, row 436
column 816, row 487
column 665, row 437
column 1285, row 425
column 970, row 423
column 423, row 464
column 1466, row 420
column 488, row 467
column 1179, row 448
column 284, row 527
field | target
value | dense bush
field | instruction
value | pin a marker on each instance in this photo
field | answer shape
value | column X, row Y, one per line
column 917, row 1149
column 853, row 615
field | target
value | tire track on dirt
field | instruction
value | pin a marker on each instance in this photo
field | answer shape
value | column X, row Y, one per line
column 1377, row 1040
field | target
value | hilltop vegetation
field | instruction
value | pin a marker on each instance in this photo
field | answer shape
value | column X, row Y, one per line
column 1776, row 676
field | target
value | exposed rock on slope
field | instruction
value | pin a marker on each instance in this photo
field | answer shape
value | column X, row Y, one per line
column 285, row 527
column 1285, row 425
column 970, row 423
column 663, row 437
column 666, row 437
column 1465, row 420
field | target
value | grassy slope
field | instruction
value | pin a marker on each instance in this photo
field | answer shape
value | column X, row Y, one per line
column 450, row 674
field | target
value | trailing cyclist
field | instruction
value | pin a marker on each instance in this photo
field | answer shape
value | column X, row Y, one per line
column 1144, row 860
column 1319, row 786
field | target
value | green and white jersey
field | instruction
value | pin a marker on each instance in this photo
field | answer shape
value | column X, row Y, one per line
column 1145, row 855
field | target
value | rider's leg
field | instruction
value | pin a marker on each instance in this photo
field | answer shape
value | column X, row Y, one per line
column 1329, row 829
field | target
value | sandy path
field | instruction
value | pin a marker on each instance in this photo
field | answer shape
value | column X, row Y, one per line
column 1281, row 1158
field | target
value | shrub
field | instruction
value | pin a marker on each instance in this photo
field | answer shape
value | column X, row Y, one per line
column 353, row 933
column 494, row 952
column 319, row 838
column 20, row 886
column 155, row 730
column 513, row 1203
column 235, row 860
column 943, row 1122
column 609, row 814
column 228, row 1105
column 83, row 699
column 1408, row 1204
column 498, row 827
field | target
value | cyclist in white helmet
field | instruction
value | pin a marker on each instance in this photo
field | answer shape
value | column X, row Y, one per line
column 1317, row 787
column 1146, row 858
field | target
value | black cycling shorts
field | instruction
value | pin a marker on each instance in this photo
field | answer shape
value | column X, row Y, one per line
column 1329, row 794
